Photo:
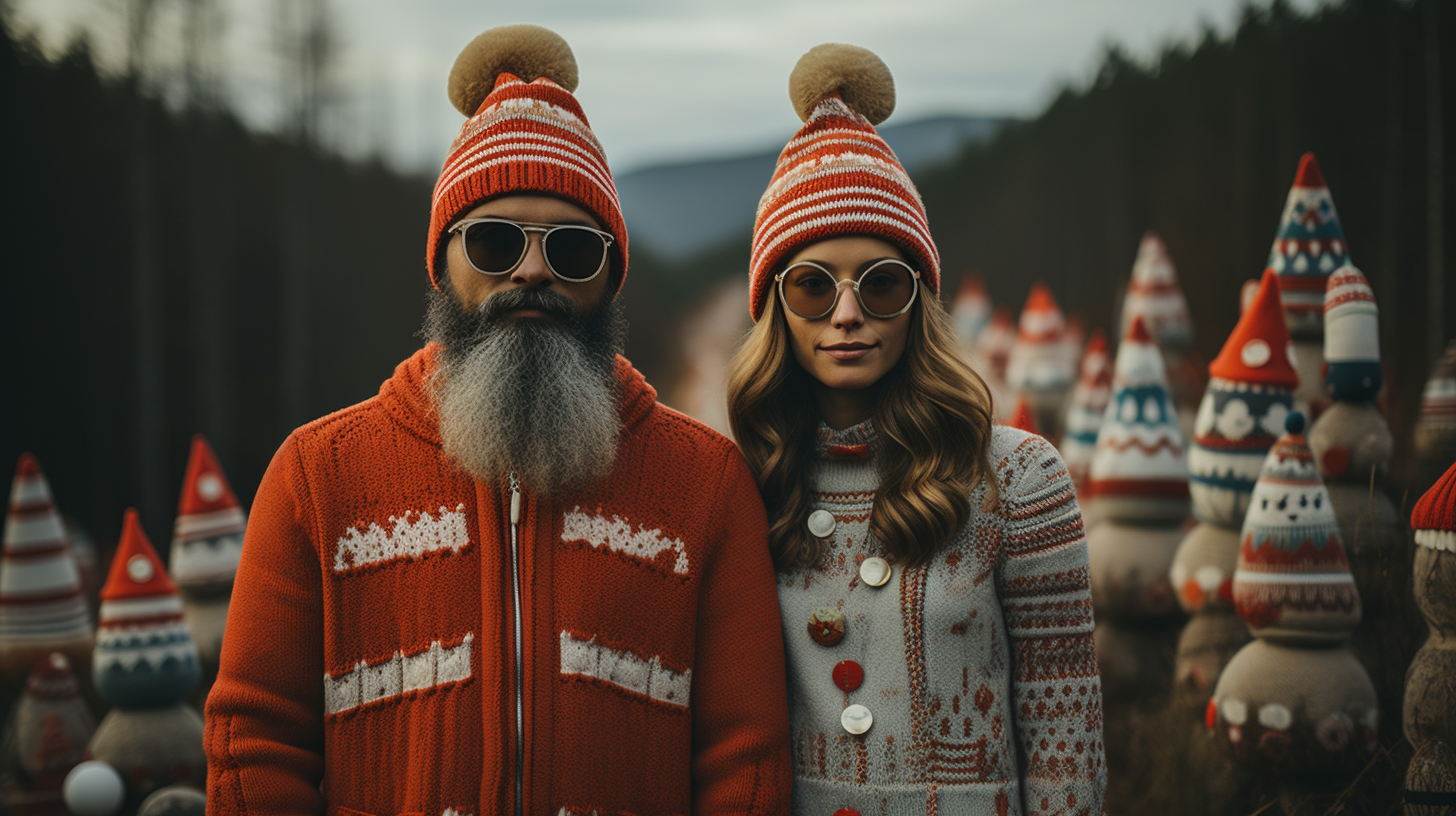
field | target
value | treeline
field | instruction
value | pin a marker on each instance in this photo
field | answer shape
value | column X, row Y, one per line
column 1202, row 144
column 168, row 272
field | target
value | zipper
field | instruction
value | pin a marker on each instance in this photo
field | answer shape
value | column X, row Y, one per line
column 520, row 649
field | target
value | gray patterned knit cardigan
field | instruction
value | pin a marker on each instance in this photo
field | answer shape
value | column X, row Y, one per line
column 979, row 668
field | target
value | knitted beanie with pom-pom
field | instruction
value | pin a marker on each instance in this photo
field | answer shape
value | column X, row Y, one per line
column 837, row 177
column 526, row 134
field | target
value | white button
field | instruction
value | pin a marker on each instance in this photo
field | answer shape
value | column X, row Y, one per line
column 821, row 523
column 856, row 719
column 874, row 571
column 139, row 569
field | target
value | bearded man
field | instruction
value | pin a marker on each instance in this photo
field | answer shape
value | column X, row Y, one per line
column 511, row 582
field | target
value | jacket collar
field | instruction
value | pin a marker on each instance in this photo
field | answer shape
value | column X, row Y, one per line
column 406, row 395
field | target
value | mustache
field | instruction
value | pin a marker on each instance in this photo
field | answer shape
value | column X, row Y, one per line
column 497, row 306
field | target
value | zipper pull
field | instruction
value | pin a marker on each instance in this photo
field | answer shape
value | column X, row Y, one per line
column 515, row 500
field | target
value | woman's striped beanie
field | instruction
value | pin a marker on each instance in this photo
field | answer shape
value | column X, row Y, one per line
column 525, row 134
column 837, row 176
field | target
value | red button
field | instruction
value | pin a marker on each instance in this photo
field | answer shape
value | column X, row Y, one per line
column 848, row 675
column 846, row 812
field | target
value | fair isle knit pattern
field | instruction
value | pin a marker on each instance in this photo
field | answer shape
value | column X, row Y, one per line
column 1310, row 243
column 526, row 137
column 979, row 668
column 838, row 177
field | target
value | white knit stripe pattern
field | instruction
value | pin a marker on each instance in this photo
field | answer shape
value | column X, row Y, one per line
column 617, row 536
column 1437, row 539
column 853, row 209
column 849, row 199
column 523, row 146
column 406, row 539
column 621, row 668
column 845, row 162
column 199, row 525
column 595, row 163
column 788, row 159
column 116, row 613
column 534, row 159
column 368, row 683
column 29, row 489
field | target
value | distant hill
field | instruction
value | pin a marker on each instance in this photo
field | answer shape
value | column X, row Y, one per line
column 677, row 210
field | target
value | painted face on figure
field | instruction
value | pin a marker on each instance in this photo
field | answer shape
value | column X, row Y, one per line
column 472, row 287
column 848, row 349
column 1275, row 505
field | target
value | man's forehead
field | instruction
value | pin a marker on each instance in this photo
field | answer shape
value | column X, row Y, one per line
column 541, row 209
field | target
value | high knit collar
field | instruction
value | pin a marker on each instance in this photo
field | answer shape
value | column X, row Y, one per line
column 857, row 442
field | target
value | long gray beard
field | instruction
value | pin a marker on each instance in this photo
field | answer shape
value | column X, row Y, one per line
column 529, row 397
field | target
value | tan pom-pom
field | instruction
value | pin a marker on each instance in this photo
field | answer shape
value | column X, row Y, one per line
column 527, row 51
column 862, row 79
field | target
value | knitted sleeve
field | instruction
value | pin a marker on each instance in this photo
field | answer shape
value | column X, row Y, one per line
column 1044, row 584
column 739, row 697
column 264, row 733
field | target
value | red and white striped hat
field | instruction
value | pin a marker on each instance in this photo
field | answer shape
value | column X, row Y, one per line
column 207, row 537
column 525, row 134
column 837, row 176
column 40, row 589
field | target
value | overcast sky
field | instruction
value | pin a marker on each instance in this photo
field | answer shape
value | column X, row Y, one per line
column 662, row 80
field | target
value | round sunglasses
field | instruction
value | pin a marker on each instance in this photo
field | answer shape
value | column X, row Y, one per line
column 886, row 289
column 497, row 246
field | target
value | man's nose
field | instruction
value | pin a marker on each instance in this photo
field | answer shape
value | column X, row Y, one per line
column 533, row 270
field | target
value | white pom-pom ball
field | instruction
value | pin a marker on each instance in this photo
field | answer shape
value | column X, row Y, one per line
column 93, row 789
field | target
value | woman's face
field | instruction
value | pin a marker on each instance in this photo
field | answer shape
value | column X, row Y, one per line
column 847, row 349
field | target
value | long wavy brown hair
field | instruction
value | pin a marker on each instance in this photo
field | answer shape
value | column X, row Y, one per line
column 932, row 416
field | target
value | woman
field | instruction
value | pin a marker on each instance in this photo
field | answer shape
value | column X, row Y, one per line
column 933, row 576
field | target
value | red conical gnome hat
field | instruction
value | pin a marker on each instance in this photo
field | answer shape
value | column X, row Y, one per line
column 1259, row 350
column 1434, row 516
column 1041, row 317
column 205, row 488
column 136, row 571
column 1022, row 418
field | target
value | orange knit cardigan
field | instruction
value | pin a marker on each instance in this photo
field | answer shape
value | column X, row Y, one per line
column 368, row 666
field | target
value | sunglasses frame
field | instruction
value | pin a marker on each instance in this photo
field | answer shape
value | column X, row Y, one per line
column 854, row 284
column 528, row 227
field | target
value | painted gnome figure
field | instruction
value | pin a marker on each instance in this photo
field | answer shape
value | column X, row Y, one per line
column 1352, row 446
column 1140, row 483
column 1022, row 417
column 1154, row 295
column 207, row 541
column 1038, row 365
column 45, row 737
column 1250, row 393
column 42, row 609
column 1308, row 247
column 972, row 308
column 1294, row 702
column 992, row 353
column 1435, row 432
column 1084, row 418
column 1430, row 699
column 146, row 664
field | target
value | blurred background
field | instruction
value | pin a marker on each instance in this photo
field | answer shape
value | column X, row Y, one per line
column 214, row 210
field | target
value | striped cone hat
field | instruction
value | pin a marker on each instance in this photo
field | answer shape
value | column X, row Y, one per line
column 1250, row 392
column 145, row 656
column 1309, row 245
column 972, row 308
column 1154, row 295
column 1087, row 406
column 1434, row 516
column 1352, row 337
column 1038, row 361
column 207, row 537
column 996, row 341
column 1293, row 582
column 1137, row 472
column 1438, row 399
column 40, row 589
column 837, row 177
column 526, row 134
